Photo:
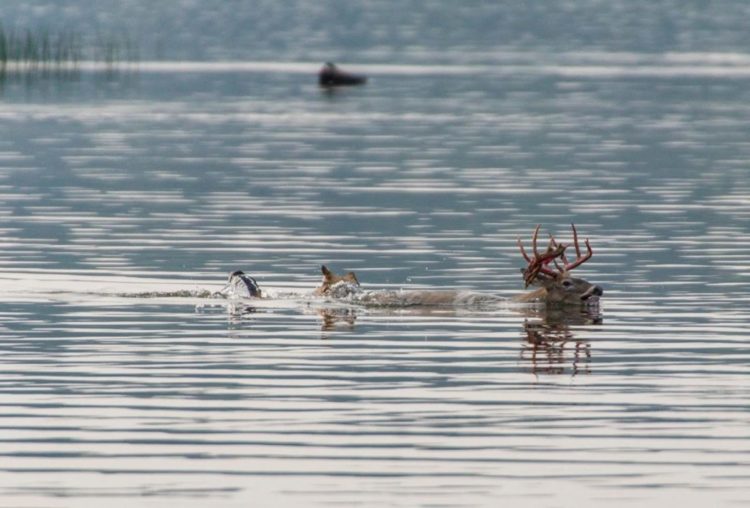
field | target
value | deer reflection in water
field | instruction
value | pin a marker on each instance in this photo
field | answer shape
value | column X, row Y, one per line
column 550, row 343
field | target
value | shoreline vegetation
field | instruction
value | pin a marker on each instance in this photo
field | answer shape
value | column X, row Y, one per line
column 28, row 53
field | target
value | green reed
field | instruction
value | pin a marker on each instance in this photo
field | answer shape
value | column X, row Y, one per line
column 61, row 52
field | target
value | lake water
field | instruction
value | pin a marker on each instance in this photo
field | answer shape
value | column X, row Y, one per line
column 128, row 198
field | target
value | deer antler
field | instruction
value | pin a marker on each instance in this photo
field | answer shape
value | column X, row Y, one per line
column 538, row 265
column 579, row 258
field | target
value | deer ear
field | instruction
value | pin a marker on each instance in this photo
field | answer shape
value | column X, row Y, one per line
column 539, row 281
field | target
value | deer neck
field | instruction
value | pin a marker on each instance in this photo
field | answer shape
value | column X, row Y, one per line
column 539, row 294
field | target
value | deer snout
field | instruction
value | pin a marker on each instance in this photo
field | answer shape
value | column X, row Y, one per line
column 592, row 291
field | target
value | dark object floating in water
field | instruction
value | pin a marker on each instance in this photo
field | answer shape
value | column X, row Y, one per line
column 240, row 284
column 330, row 75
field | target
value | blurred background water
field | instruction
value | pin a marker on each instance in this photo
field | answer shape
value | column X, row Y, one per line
column 129, row 191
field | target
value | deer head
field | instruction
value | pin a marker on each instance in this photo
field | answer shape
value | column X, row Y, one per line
column 330, row 279
column 555, row 285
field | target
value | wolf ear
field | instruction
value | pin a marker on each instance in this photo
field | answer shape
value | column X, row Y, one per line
column 350, row 277
column 328, row 274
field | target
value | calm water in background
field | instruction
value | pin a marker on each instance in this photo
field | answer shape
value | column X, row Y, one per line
column 126, row 197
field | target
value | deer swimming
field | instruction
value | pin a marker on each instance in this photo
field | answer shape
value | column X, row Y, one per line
column 557, row 287
column 554, row 287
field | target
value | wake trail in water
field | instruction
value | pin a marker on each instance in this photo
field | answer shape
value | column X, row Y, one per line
column 342, row 294
column 185, row 293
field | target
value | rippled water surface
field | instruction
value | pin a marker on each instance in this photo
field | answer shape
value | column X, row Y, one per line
column 126, row 200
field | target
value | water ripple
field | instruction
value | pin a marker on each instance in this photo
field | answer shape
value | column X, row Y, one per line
column 122, row 215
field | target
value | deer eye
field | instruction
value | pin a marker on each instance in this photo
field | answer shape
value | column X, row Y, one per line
column 567, row 284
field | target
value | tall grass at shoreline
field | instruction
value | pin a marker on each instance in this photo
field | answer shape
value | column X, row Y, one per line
column 60, row 53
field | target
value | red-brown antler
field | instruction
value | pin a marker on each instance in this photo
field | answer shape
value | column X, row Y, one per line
column 580, row 259
column 538, row 264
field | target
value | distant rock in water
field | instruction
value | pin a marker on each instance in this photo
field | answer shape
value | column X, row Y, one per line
column 330, row 75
